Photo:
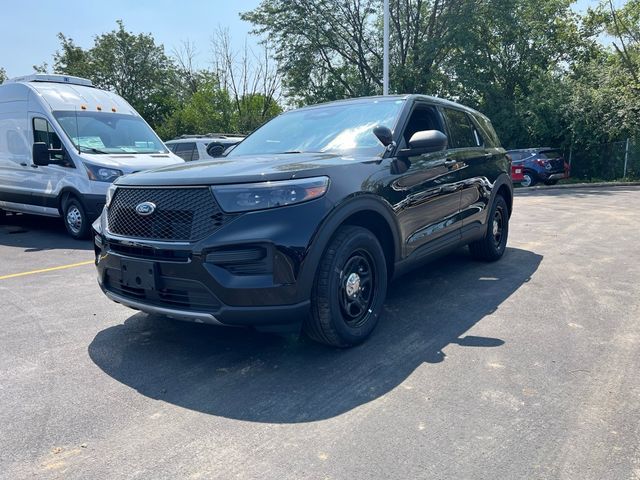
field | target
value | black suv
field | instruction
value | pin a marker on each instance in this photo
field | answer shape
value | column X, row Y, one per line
column 307, row 219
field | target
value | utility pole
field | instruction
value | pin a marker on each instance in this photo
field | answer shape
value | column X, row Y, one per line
column 385, row 57
column 626, row 159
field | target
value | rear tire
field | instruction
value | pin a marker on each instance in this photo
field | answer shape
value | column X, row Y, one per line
column 75, row 219
column 349, row 289
column 494, row 243
column 528, row 180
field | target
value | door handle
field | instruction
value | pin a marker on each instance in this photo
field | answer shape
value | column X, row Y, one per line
column 450, row 163
column 24, row 164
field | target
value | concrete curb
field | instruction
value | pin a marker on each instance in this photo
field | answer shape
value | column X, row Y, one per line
column 564, row 186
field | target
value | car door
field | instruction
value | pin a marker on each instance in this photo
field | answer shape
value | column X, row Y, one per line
column 44, row 182
column 424, row 189
column 471, row 160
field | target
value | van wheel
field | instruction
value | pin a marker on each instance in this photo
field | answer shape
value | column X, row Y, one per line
column 494, row 243
column 349, row 289
column 75, row 219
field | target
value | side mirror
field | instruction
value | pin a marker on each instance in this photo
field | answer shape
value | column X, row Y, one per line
column 383, row 134
column 426, row 141
column 41, row 154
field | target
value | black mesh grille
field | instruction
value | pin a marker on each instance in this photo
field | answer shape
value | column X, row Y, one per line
column 181, row 214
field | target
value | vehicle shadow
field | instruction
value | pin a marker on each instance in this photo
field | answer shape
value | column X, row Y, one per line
column 242, row 374
column 35, row 233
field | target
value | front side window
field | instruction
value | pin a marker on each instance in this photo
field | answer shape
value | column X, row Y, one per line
column 461, row 131
column 345, row 128
column 44, row 133
column 109, row 133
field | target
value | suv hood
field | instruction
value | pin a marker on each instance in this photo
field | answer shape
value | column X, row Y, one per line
column 244, row 169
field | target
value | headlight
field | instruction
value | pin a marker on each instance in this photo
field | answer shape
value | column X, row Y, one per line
column 258, row 196
column 110, row 192
column 102, row 174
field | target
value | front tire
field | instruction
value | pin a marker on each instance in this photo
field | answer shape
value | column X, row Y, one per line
column 494, row 243
column 76, row 220
column 349, row 289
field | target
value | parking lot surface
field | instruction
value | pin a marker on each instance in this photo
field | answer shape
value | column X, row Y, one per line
column 525, row 368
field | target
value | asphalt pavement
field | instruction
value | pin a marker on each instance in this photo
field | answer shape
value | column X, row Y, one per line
column 525, row 368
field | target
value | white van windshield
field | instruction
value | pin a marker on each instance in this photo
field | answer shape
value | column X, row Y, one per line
column 106, row 132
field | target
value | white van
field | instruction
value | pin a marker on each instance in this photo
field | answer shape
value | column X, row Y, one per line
column 62, row 143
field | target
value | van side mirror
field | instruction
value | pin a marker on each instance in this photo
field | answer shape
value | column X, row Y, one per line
column 384, row 135
column 41, row 154
column 426, row 141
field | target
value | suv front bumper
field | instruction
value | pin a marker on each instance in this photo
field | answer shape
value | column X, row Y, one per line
column 251, row 272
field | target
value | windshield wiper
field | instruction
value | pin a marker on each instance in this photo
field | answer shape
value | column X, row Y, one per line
column 92, row 149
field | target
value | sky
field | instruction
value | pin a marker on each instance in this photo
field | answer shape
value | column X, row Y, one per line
column 29, row 27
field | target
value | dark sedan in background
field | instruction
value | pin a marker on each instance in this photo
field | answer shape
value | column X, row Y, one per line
column 545, row 165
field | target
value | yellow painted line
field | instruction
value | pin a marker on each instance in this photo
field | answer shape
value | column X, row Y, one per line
column 43, row 270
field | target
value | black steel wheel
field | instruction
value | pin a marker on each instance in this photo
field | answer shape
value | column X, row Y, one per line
column 349, row 289
column 492, row 246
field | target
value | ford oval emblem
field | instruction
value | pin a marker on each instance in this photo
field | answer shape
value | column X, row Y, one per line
column 145, row 208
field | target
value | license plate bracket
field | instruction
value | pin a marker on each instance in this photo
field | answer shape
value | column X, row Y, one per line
column 139, row 274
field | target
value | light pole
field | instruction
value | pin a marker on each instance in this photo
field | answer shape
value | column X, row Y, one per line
column 385, row 54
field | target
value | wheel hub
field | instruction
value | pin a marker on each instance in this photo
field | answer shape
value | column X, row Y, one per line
column 74, row 219
column 496, row 228
column 352, row 285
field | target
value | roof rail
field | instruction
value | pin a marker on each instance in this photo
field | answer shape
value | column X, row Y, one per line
column 54, row 78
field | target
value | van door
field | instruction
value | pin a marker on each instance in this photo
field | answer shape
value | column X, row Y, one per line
column 45, row 182
column 15, row 158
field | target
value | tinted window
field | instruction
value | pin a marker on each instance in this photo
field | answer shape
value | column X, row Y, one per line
column 171, row 146
column 486, row 131
column 185, row 150
column 461, row 130
column 195, row 155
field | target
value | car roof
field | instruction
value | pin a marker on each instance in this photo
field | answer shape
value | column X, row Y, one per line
column 411, row 97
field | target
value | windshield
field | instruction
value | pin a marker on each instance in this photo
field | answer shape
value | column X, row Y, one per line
column 106, row 132
column 341, row 127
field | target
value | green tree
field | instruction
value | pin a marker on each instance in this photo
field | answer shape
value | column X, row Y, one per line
column 330, row 49
column 131, row 65
column 3, row 75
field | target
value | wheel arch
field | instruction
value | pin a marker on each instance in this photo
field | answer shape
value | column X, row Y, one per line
column 365, row 210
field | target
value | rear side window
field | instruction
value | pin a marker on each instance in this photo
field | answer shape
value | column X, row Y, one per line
column 185, row 150
column 171, row 146
column 461, row 131
column 486, row 131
